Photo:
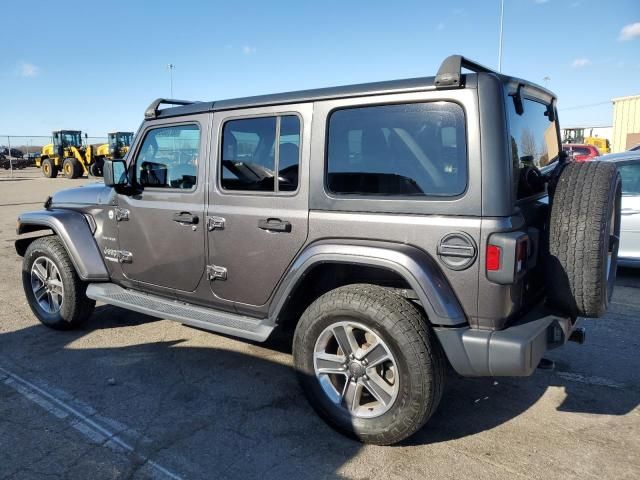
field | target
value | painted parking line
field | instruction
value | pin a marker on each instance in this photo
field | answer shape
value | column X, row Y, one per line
column 91, row 428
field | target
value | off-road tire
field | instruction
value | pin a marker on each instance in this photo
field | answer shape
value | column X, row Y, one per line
column 95, row 169
column 76, row 307
column 421, row 362
column 49, row 170
column 71, row 168
column 584, row 232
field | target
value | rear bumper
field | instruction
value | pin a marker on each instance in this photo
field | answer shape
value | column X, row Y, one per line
column 514, row 351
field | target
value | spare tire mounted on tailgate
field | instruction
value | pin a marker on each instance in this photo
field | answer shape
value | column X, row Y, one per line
column 584, row 232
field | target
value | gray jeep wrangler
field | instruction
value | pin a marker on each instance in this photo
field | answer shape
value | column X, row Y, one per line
column 402, row 228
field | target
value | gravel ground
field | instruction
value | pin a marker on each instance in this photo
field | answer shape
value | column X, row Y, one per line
column 130, row 396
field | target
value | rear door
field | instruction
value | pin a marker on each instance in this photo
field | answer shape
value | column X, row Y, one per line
column 258, row 204
column 162, row 227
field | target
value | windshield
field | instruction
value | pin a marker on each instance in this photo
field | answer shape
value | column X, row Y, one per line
column 70, row 139
column 120, row 139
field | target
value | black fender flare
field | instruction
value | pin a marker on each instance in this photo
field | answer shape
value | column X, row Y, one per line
column 75, row 233
column 414, row 265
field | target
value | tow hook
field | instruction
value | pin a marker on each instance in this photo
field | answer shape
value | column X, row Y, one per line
column 579, row 335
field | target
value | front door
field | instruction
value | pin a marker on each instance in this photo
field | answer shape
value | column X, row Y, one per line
column 258, row 204
column 162, row 229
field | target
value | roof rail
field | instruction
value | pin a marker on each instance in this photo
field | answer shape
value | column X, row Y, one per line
column 449, row 73
column 152, row 110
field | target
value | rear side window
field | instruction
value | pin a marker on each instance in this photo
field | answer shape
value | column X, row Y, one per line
column 252, row 159
column 415, row 150
column 168, row 157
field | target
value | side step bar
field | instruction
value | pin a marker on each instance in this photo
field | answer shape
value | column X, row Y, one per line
column 196, row 316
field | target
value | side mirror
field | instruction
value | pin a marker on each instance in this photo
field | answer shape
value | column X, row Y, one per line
column 115, row 173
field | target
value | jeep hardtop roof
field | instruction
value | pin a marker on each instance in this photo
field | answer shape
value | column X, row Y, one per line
column 449, row 76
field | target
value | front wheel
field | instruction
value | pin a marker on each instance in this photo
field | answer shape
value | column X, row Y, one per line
column 53, row 289
column 368, row 363
column 49, row 169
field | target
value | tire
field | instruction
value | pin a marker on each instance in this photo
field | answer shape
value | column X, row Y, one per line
column 49, row 170
column 75, row 307
column 417, row 365
column 95, row 169
column 584, row 233
column 71, row 168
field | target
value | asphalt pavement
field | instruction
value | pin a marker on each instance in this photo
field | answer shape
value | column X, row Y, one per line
column 130, row 396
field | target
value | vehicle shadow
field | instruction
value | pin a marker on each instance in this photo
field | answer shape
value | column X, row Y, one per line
column 238, row 410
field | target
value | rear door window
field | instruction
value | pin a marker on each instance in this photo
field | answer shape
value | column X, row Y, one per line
column 252, row 159
column 411, row 150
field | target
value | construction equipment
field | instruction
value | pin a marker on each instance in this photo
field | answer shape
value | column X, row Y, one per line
column 577, row 135
column 117, row 146
column 67, row 153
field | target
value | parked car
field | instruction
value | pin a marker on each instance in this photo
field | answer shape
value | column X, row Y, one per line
column 628, row 164
column 399, row 228
column 581, row 152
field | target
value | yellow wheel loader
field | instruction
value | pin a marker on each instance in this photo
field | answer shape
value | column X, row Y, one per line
column 117, row 146
column 68, row 154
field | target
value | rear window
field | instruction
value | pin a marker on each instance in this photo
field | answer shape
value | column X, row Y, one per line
column 415, row 150
column 534, row 143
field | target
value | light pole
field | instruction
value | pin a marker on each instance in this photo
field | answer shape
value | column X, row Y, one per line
column 171, row 67
column 546, row 81
column 500, row 44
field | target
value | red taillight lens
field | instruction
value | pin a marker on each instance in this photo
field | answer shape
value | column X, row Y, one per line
column 493, row 257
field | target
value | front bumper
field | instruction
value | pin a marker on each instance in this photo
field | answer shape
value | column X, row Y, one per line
column 512, row 352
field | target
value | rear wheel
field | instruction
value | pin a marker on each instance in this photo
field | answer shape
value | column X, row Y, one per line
column 584, row 234
column 49, row 170
column 72, row 168
column 368, row 363
column 53, row 289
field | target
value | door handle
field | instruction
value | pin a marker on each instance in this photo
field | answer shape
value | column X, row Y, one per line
column 185, row 218
column 274, row 225
column 629, row 211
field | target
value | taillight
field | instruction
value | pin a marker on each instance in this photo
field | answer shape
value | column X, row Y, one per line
column 493, row 258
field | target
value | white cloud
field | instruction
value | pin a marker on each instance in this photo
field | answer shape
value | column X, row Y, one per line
column 629, row 32
column 580, row 62
column 248, row 50
column 440, row 27
column 26, row 69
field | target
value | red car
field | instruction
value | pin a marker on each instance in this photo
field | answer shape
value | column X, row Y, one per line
column 581, row 152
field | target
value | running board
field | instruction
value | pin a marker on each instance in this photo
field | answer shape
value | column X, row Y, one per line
column 195, row 316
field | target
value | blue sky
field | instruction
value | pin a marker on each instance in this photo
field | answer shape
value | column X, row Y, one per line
column 95, row 66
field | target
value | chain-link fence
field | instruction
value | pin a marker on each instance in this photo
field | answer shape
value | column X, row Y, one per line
column 20, row 151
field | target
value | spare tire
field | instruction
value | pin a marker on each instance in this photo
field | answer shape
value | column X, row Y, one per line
column 584, row 233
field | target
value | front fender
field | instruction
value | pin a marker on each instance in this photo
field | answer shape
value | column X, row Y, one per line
column 414, row 265
column 74, row 232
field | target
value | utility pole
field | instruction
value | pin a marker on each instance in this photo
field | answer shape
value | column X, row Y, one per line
column 546, row 81
column 171, row 67
column 500, row 44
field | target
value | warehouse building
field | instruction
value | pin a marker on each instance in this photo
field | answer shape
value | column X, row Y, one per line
column 626, row 123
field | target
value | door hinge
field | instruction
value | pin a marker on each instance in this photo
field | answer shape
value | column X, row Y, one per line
column 121, row 214
column 120, row 256
column 214, row 272
column 215, row 223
